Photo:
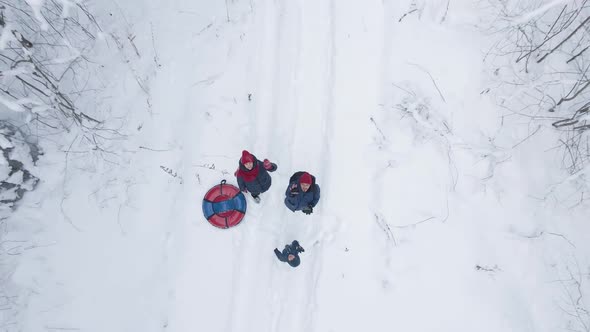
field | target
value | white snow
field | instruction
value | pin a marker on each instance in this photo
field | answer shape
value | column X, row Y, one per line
column 4, row 169
column 67, row 6
column 438, row 212
column 11, row 105
column 23, row 68
column 539, row 11
column 6, row 36
column 8, row 194
column 4, row 142
column 36, row 8
column 15, row 178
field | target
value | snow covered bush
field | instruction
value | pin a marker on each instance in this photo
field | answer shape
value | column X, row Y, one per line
column 43, row 62
column 18, row 157
column 547, row 79
column 430, row 122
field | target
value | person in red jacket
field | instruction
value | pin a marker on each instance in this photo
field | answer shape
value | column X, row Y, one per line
column 252, row 175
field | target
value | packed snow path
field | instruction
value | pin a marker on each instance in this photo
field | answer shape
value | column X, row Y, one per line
column 293, row 71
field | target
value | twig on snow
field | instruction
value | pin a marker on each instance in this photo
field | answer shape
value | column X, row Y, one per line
column 446, row 12
column 494, row 268
column 378, row 129
column 415, row 224
column 131, row 37
column 565, row 238
column 61, row 205
column 154, row 46
column 171, row 173
column 431, row 78
column 205, row 28
column 385, row 228
column 227, row 10
column 406, row 14
column 526, row 138
column 536, row 236
column 155, row 150
column 411, row 93
column 447, row 216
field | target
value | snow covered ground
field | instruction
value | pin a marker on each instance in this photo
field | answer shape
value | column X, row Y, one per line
column 439, row 212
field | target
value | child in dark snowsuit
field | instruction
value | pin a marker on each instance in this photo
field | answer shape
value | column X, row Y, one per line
column 290, row 254
column 252, row 174
column 302, row 193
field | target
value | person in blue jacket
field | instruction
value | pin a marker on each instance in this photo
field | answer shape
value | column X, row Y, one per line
column 290, row 254
column 303, row 193
column 252, row 175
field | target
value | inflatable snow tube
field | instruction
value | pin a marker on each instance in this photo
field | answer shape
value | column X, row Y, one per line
column 224, row 205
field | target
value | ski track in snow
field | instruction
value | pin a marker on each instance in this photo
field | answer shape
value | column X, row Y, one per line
column 276, row 110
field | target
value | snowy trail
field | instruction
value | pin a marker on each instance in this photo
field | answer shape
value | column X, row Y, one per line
column 275, row 106
column 292, row 104
column 296, row 291
column 358, row 48
column 291, row 120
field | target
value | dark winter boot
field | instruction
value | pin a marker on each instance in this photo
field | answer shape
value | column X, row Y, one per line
column 278, row 254
column 256, row 198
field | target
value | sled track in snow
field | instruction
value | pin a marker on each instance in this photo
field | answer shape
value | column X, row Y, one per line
column 272, row 115
column 282, row 139
column 291, row 122
column 323, row 175
column 314, row 104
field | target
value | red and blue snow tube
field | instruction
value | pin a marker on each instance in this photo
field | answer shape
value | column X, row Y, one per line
column 224, row 205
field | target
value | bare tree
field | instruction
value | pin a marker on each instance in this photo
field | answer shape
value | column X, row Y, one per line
column 550, row 71
column 44, row 67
